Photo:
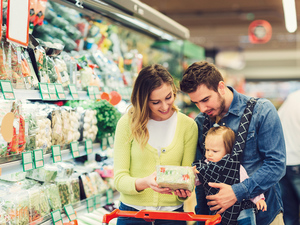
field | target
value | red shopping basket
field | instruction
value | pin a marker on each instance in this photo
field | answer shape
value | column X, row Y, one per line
column 150, row 216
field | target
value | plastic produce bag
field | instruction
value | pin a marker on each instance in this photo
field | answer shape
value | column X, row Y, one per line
column 175, row 177
column 52, row 194
column 43, row 136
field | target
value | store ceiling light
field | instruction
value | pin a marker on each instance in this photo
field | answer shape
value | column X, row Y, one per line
column 290, row 15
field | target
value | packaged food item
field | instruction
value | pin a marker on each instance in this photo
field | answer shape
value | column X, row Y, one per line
column 53, row 196
column 99, row 184
column 22, row 207
column 62, row 69
column 88, row 189
column 64, row 191
column 4, row 109
column 175, row 177
column 75, row 189
column 56, row 126
column 43, row 136
column 17, row 145
column 34, row 204
column 40, row 57
column 88, row 124
column 45, row 174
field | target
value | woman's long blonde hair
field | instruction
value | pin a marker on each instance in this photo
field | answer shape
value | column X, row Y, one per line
column 149, row 78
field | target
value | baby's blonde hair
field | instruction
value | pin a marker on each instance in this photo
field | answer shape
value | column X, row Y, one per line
column 228, row 136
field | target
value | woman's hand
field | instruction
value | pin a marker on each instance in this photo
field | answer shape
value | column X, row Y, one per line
column 150, row 182
column 181, row 193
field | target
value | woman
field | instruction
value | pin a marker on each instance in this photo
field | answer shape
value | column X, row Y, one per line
column 152, row 133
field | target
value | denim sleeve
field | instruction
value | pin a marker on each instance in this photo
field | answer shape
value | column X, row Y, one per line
column 269, row 166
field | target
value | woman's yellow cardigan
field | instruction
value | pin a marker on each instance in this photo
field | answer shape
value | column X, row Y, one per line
column 131, row 162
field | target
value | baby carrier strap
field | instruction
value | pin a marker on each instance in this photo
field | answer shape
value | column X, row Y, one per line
column 227, row 170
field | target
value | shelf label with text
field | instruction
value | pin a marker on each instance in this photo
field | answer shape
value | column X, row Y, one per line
column 38, row 157
column 27, row 161
column 70, row 212
column 89, row 146
column 56, row 217
column 91, row 92
column 60, row 91
column 56, row 153
column 44, row 91
column 75, row 149
column 73, row 91
column 52, row 91
column 90, row 204
column 7, row 90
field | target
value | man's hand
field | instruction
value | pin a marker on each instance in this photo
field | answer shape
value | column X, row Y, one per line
column 222, row 200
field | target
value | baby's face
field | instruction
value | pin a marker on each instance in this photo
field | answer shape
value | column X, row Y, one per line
column 214, row 148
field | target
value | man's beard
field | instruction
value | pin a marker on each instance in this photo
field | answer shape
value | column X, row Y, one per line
column 221, row 110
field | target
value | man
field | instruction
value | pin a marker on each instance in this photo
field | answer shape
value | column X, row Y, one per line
column 264, row 153
column 289, row 114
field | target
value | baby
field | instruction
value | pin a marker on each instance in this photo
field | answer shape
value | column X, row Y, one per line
column 219, row 142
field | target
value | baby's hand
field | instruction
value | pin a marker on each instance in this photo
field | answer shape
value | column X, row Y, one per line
column 195, row 170
column 261, row 205
column 197, row 182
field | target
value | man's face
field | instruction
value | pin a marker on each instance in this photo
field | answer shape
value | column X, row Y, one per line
column 208, row 101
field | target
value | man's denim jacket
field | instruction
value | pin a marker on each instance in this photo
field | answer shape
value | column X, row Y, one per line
column 263, row 157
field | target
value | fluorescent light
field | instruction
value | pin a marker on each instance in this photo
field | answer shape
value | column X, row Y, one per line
column 290, row 16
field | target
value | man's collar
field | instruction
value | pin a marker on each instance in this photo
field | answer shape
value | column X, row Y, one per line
column 235, row 104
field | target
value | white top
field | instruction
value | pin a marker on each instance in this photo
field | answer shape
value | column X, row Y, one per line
column 289, row 114
column 161, row 133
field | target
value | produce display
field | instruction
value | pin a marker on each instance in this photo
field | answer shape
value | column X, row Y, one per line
column 175, row 177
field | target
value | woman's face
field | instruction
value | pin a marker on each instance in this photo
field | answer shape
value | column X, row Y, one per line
column 160, row 102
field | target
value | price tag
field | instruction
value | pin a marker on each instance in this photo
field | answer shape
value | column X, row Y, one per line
column 52, row 91
column 56, row 153
column 27, row 161
column 97, row 92
column 97, row 201
column 90, row 204
column 89, row 146
column 104, row 143
column 60, row 91
column 91, row 92
column 7, row 90
column 44, row 91
column 73, row 91
column 75, row 149
column 56, row 217
column 70, row 212
column 109, row 196
column 38, row 157
column 110, row 140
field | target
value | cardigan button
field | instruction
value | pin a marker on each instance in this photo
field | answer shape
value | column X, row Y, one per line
column 164, row 150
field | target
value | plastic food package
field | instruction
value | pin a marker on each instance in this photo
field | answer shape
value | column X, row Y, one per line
column 88, row 126
column 87, row 186
column 56, row 126
column 175, row 177
column 4, row 109
column 47, row 174
column 64, row 191
column 40, row 56
column 34, row 204
column 52, row 194
column 62, row 68
column 75, row 189
column 43, row 136
column 18, row 143
column 100, row 186
column 22, row 207
column 14, row 177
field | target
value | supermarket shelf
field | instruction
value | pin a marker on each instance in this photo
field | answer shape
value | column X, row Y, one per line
column 35, row 94
column 16, row 166
column 80, row 208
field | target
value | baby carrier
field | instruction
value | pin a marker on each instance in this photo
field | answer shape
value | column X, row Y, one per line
column 227, row 170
